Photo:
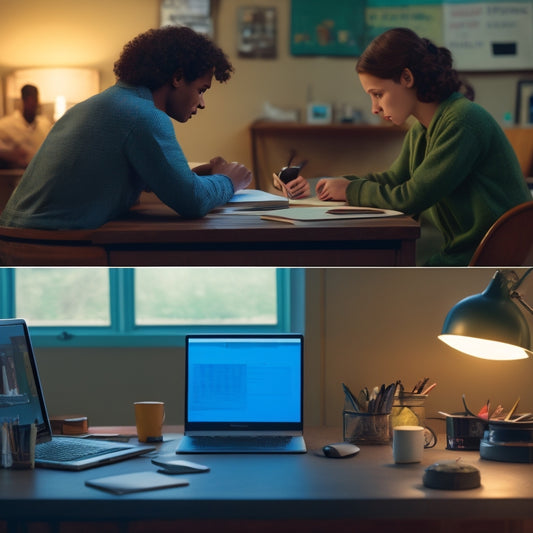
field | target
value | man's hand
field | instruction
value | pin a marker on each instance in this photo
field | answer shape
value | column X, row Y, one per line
column 239, row 175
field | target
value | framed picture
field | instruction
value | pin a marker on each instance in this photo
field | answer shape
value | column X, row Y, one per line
column 318, row 113
column 524, row 103
column 195, row 14
column 257, row 32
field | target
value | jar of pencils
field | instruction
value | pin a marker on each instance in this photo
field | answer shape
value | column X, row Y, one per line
column 408, row 409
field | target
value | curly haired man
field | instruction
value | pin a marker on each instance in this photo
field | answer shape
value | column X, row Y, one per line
column 105, row 151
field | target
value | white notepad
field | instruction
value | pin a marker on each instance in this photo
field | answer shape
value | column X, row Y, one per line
column 136, row 482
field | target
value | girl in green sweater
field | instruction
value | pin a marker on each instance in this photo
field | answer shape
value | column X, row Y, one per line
column 456, row 165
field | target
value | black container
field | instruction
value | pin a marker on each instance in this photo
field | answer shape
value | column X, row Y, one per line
column 464, row 432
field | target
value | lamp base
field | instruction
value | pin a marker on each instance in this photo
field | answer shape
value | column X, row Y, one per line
column 511, row 442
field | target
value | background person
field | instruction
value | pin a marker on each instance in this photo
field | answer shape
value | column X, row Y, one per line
column 456, row 165
column 105, row 151
column 23, row 132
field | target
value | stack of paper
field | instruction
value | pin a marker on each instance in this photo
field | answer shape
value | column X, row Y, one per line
column 254, row 199
column 308, row 214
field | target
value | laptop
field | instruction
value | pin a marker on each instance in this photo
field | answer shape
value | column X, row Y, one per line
column 22, row 401
column 243, row 394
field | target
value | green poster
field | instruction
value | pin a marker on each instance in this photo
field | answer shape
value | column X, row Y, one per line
column 323, row 28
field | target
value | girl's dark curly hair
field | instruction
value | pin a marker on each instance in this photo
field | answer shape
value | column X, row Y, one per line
column 152, row 58
column 391, row 52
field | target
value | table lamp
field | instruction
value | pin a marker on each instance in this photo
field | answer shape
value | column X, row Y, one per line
column 490, row 325
column 59, row 87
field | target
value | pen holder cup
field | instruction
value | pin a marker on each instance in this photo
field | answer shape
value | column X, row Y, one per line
column 17, row 446
column 408, row 409
column 365, row 428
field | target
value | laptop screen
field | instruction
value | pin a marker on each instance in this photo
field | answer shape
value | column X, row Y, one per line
column 21, row 397
column 244, row 382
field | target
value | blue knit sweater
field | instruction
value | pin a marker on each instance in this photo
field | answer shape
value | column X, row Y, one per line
column 98, row 158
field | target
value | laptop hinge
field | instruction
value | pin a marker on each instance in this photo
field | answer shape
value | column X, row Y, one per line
column 247, row 433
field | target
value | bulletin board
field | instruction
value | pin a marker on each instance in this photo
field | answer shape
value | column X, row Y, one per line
column 487, row 35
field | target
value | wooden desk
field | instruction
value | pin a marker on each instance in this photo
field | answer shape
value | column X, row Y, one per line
column 331, row 149
column 153, row 235
column 281, row 493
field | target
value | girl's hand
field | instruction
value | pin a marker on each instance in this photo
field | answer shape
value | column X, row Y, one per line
column 332, row 189
column 298, row 188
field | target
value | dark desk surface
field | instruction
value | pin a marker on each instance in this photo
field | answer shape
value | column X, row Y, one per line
column 154, row 235
column 368, row 488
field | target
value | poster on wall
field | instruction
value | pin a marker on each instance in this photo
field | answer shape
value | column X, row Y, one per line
column 524, row 103
column 423, row 18
column 490, row 35
column 483, row 35
column 257, row 32
column 319, row 29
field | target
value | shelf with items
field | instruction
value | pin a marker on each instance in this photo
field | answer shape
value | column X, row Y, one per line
column 331, row 149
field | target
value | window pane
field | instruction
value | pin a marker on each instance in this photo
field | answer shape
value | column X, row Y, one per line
column 63, row 296
column 205, row 296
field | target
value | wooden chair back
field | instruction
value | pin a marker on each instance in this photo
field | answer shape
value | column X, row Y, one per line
column 509, row 241
column 28, row 247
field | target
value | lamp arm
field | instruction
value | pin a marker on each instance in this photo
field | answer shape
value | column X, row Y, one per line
column 515, row 286
column 522, row 302
column 514, row 291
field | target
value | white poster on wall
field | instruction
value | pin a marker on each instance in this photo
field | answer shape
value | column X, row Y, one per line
column 490, row 35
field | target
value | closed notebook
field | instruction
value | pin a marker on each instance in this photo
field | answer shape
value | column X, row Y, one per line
column 135, row 482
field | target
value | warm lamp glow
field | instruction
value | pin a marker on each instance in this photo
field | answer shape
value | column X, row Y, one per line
column 72, row 85
column 489, row 325
column 485, row 349
column 60, row 107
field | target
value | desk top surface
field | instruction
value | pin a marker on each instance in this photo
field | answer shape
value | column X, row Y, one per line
column 156, row 222
column 304, row 486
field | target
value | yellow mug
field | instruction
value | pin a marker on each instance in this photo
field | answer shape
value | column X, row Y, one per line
column 149, row 418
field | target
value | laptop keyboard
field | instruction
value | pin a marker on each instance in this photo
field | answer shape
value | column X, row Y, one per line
column 58, row 450
column 241, row 442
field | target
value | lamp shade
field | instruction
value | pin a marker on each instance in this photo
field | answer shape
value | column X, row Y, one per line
column 61, row 87
column 488, row 325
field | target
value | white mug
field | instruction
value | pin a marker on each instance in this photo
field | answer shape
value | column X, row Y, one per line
column 407, row 444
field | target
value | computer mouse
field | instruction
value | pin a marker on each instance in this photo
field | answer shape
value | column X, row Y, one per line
column 340, row 449
column 173, row 465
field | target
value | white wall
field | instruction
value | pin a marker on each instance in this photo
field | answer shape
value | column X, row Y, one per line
column 91, row 33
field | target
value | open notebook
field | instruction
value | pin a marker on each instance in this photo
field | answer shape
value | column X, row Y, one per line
column 243, row 394
column 22, row 401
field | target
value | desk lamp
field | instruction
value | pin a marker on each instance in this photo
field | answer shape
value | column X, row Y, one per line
column 489, row 325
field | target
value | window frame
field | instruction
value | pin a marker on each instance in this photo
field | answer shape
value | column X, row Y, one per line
column 123, row 332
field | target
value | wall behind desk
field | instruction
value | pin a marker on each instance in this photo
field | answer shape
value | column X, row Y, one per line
column 91, row 33
column 364, row 327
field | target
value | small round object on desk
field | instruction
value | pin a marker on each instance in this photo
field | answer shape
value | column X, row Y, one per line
column 452, row 475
